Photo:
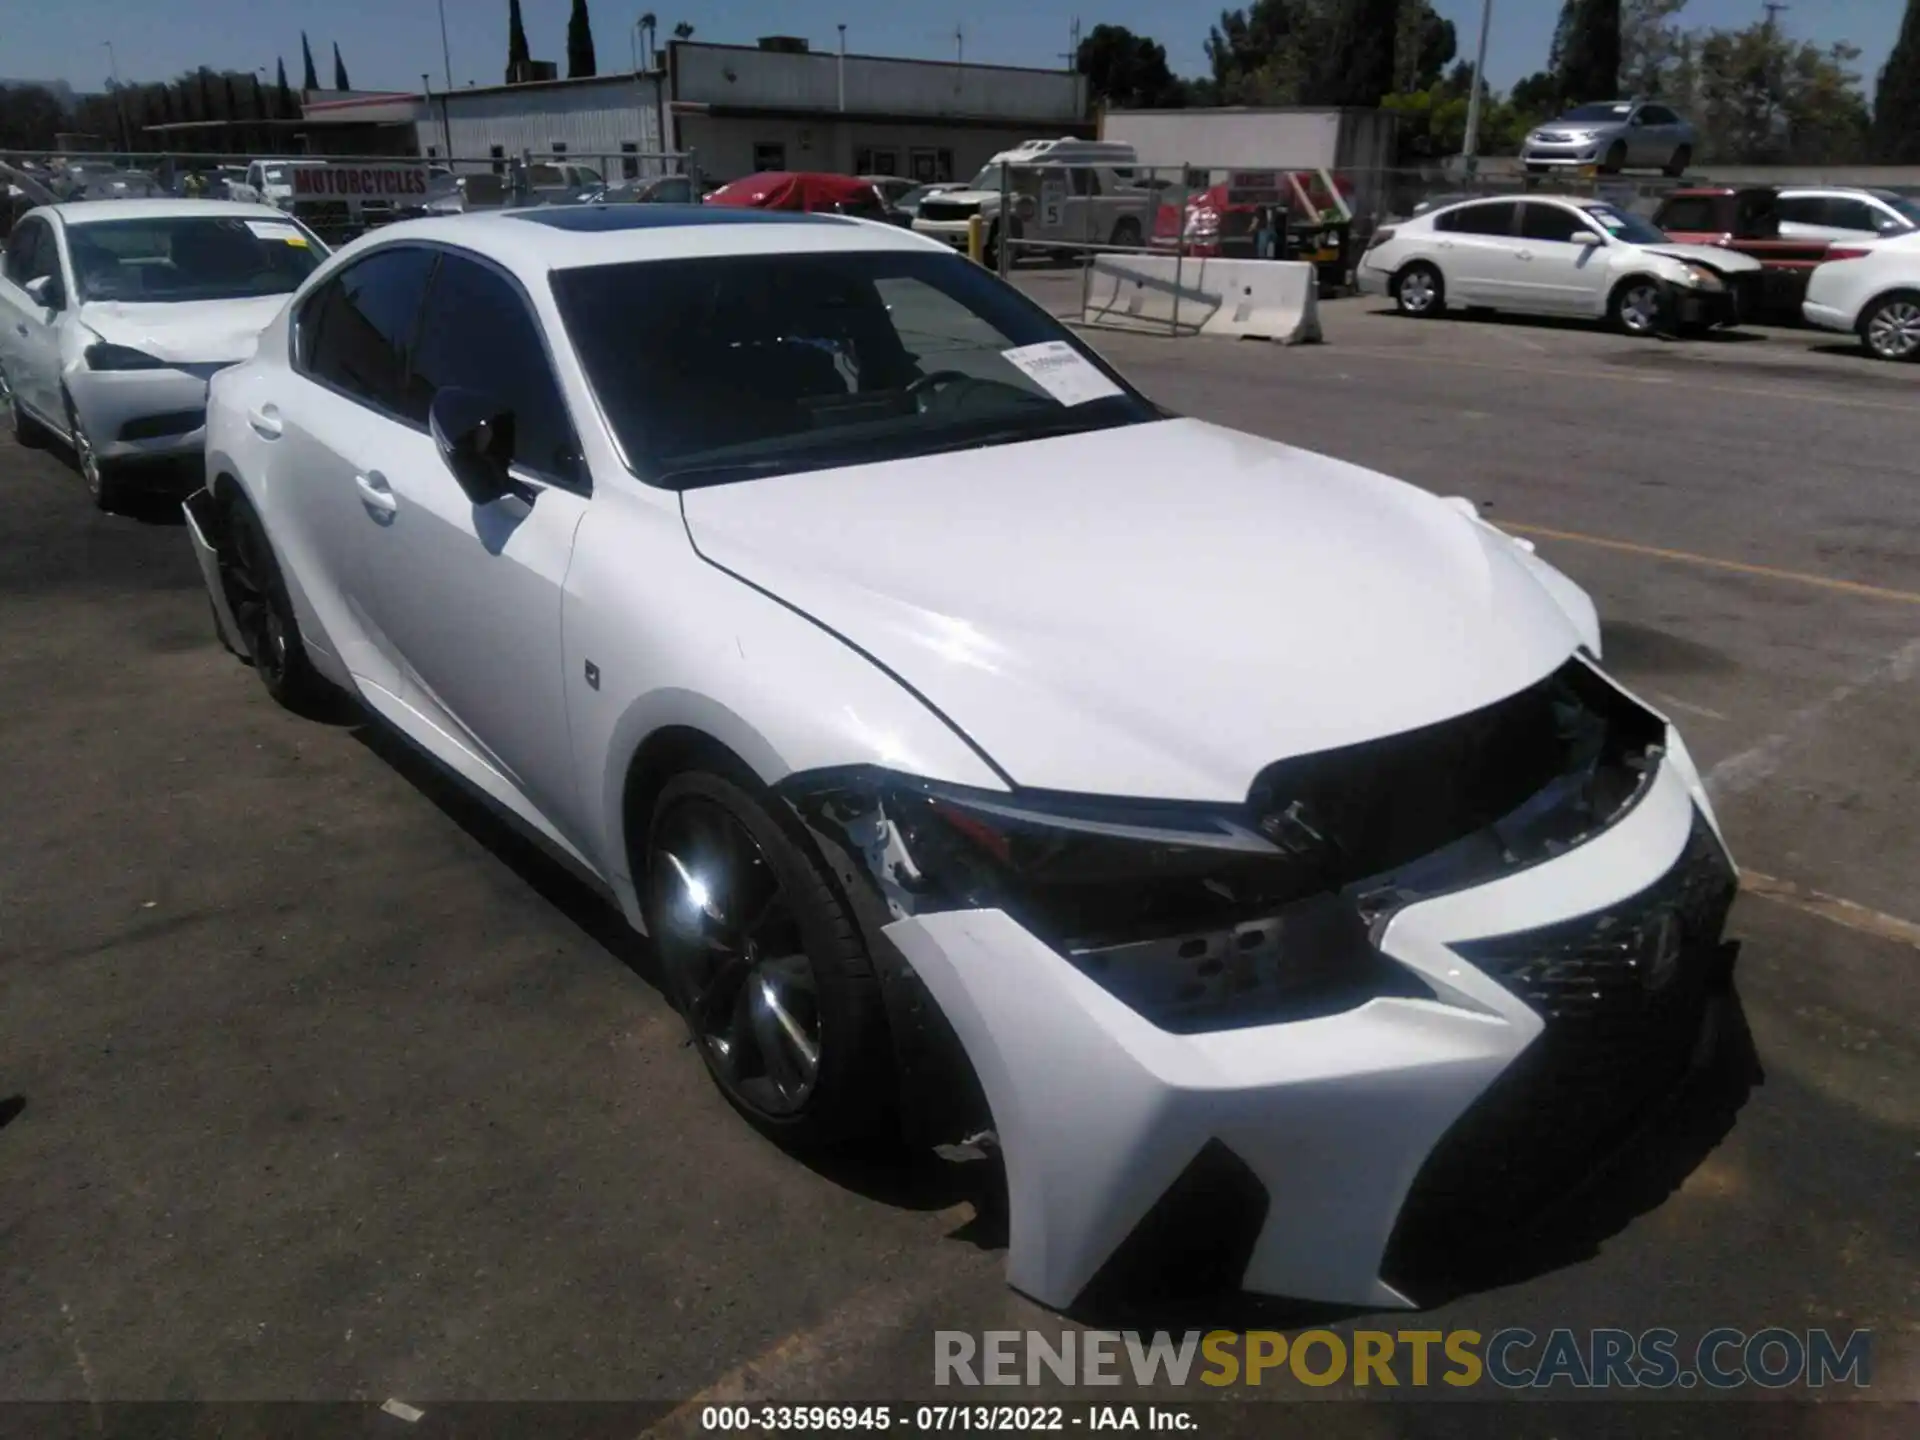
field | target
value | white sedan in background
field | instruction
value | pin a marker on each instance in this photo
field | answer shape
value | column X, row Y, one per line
column 1545, row 255
column 1872, row 290
column 1225, row 829
column 113, row 316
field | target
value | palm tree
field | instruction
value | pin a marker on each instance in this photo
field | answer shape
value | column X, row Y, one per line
column 683, row 31
column 648, row 23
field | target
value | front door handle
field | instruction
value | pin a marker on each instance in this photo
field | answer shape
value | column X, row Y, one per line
column 1523, row 254
column 376, row 495
column 19, row 329
column 265, row 421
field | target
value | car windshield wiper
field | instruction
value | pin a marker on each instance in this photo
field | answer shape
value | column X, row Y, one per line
column 1015, row 434
column 692, row 477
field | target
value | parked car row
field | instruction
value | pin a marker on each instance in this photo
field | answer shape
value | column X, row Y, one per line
column 1563, row 255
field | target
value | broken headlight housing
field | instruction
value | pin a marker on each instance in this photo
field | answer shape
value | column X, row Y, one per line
column 1213, row 916
column 1188, row 913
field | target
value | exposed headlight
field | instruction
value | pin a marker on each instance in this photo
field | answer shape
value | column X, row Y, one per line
column 104, row 355
column 1698, row 277
column 1209, row 917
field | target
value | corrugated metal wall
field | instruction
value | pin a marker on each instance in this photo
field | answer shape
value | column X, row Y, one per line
column 773, row 80
column 589, row 120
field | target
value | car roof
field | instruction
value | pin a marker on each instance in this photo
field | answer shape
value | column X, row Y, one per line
column 565, row 237
column 87, row 212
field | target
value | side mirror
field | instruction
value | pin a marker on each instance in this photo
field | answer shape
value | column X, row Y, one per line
column 1588, row 239
column 474, row 433
column 47, row 292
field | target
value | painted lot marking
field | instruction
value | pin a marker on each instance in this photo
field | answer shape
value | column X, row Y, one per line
column 1831, row 907
column 1749, row 392
column 1711, row 562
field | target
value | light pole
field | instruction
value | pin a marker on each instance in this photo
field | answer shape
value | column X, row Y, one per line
column 446, row 54
column 1469, row 155
column 119, row 100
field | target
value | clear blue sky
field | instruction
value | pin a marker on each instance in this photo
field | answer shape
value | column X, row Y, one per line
column 387, row 43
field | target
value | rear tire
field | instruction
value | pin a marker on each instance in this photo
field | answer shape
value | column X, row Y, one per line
column 1682, row 158
column 767, row 965
column 1890, row 327
column 1420, row 291
column 257, row 596
column 1126, row 233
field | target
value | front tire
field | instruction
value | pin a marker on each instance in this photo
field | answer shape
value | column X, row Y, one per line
column 1420, row 291
column 1682, row 158
column 766, row 964
column 1638, row 307
column 1615, row 160
column 257, row 596
column 1890, row 328
column 102, row 476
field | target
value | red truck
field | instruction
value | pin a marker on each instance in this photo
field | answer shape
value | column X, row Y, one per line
column 1746, row 220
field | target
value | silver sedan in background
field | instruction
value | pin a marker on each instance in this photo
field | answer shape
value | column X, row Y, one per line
column 1613, row 135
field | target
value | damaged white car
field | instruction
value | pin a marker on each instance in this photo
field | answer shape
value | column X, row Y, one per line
column 986, row 749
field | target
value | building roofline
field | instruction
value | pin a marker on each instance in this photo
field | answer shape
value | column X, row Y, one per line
column 890, row 59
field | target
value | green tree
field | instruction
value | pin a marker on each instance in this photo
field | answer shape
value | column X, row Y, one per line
column 579, row 42
column 1896, row 104
column 340, row 81
column 311, row 80
column 1264, row 54
column 1763, row 98
column 1355, row 64
column 1587, row 50
column 517, row 52
column 283, row 96
column 683, row 31
column 1423, row 47
column 1650, row 47
column 1126, row 70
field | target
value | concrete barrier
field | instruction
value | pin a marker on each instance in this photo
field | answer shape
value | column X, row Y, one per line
column 1275, row 300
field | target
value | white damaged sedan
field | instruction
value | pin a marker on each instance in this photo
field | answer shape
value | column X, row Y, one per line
column 1231, row 834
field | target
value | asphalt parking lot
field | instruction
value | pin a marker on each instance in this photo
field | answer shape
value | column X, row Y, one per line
column 322, row 1086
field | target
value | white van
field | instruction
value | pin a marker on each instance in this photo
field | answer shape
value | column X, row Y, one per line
column 271, row 181
column 1085, row 191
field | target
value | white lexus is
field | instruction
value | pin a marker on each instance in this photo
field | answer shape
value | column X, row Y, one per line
column 1228, row 834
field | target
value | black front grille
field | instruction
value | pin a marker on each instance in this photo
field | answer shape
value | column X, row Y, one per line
column 948, row 209
column 1624, row 994
column 155, row 427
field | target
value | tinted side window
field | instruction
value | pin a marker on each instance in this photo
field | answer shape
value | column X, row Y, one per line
column 1845, row 213
column 365, row 323
column 20, row 251
column 1693, row 213
column 1491, row 219
column 1801, row 209
column 1659, row 115
column 477, row 333
column 1551, row 222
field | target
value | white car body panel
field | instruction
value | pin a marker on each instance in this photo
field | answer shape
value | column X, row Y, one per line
column 1839, row 292
column 1075, row 673
column 1160, row 610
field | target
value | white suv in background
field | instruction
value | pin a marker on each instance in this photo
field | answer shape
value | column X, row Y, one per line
column 1073, row 191
column 1845, row 214
column 1871, row 290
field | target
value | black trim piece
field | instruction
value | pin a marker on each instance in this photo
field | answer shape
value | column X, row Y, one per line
column 863, row 653
column 158, row 427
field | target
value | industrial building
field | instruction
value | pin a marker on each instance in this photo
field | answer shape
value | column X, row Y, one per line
column 777, row 105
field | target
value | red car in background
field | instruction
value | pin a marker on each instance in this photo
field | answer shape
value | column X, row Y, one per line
column 1270, row 214
column 1746, row 220
column 803, row 190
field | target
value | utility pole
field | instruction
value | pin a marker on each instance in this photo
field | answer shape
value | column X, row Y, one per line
column 1773, row 9
column 446, row 51
column 1469, row 152
column 119, row 100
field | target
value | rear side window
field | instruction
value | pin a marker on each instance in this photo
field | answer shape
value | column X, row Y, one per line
column 1802, row 209
column 1494, row 218
column 354, row 333
column 478, row 334
column 1692, row 213
column 1552, row 222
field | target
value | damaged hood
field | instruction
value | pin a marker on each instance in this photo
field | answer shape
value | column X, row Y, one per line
column 1158, row 610
column 185, row 332
column 1728, row 262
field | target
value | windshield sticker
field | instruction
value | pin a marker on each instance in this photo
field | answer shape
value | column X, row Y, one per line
column 1060, row 370
column 276, row 230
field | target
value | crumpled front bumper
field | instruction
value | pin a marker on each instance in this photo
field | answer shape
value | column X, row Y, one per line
column 1099, row 1112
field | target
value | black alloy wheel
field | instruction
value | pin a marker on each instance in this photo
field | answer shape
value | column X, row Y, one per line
column 257, row 596
column 766, row 965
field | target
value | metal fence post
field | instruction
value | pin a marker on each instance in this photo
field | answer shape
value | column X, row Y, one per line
column 1002, row 261
column 1180, row 244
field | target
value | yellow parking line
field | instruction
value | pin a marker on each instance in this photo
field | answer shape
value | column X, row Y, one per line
column 1820, row 397
column 1830, row 907
column 1739, row 567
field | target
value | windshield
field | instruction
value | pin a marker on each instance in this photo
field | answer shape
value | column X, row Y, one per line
column 200, row 257
column 987, row 179
column 1612, row 111
column 1630, row 228
column 724, row 368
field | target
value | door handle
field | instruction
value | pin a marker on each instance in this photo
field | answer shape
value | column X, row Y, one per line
column 265, row 421
column 19, row 329
column 376, row 495
column 1523, row 254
